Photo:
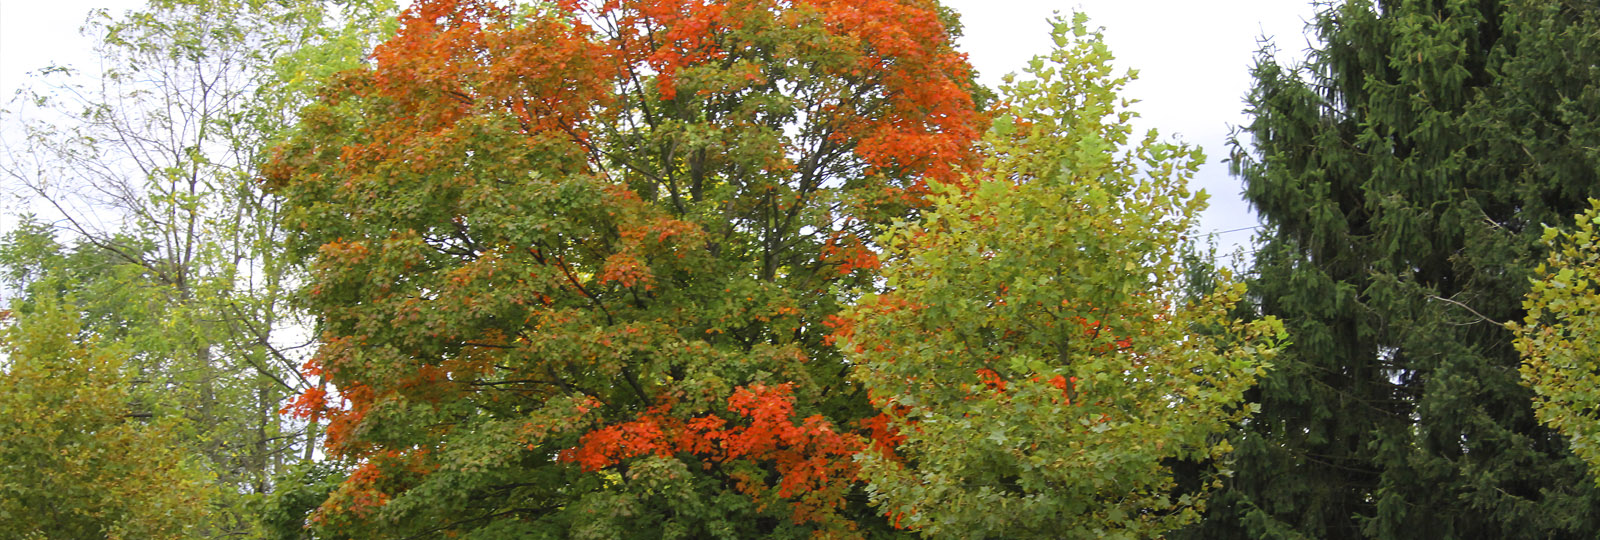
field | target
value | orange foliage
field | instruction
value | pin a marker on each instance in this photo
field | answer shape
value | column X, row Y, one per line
column 1092, row 329
column 889, row 88
column 842, row 327
column 991, row 379
column 847, row 251
column 884, row 436
column 998, row 384
column 308, row 405
column 367, row 488
column 812, row 458
column 901, row 47
column 902, row 39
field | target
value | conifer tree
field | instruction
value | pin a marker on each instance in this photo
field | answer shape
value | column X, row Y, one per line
column 1403, row 174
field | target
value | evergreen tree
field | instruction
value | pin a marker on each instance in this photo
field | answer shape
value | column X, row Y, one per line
column 1403, row 174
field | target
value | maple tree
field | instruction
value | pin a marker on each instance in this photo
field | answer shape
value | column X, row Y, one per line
column 574, row 262
column 1037, row 361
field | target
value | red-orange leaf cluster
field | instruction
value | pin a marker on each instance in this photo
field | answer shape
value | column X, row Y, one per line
column 811, row 456
column 928, row 124
column 308, row 405
column 849, row 252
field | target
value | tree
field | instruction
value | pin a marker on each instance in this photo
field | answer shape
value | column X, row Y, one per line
column 1402, row 173
column 1035, row 359
column 146, row 174
column 75, row 462
column 1557, row 337
column 574, row 263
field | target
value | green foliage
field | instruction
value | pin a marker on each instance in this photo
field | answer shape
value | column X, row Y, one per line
column 159, row 229
column 584, row 269
column 1558, row 338
column 299, row 489
column 1035, row 351
column 574, row 263
column 1402, row 173
column 75, row 462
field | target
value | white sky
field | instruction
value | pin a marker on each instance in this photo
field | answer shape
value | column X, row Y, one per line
column 1193, row 60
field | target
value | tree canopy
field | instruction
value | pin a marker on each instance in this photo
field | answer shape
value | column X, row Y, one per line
column 75, row 461
column 1034, row 353
column 151, row 225
column 305, row 269
column 582, row 268
column 574, row 262
column 1402, row 174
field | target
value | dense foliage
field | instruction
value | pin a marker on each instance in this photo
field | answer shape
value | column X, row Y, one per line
column 73, row 462
column 574, row 263
column 1558, row 338
column 153, row 228
column 1403, row 174
column 1034, row 352
column 581, row 270
column 782, row 269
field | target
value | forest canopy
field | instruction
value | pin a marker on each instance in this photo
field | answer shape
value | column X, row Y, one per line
column 785, row 269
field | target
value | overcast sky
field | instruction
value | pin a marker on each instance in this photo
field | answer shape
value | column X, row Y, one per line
column 1193, row 60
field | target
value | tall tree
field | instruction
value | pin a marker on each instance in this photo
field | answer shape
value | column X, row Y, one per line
column 575, row 261
column 1035, row 358
column 146, row 171
column 1403, row 173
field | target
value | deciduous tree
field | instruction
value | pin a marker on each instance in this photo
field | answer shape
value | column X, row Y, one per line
column 1035, row 359
column 1558, row 337
column 144, row 171
column 575, row 262
column 75, row 459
